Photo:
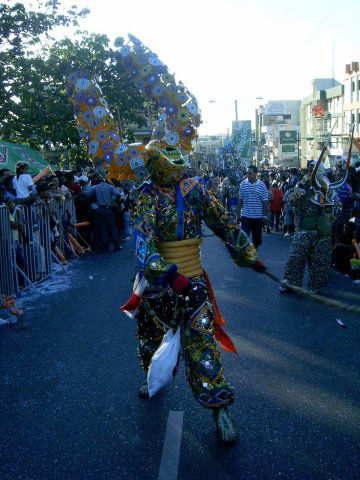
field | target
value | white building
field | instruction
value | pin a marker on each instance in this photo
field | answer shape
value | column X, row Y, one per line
column 281, row 116
column 352, row 99
column 331, row 109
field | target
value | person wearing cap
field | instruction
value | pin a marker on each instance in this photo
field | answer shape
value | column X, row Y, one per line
column 84, row 183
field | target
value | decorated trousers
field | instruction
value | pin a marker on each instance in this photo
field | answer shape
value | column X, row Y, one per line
column 165, row 309
column 307, row 248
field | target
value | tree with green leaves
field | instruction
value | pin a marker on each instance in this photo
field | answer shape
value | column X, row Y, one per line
column 33, row 68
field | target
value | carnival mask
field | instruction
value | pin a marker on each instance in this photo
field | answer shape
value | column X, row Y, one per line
column 324, row 190
column 166, row 165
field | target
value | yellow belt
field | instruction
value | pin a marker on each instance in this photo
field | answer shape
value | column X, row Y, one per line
column 184, row 253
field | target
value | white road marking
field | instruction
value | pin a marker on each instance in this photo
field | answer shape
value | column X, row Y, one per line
column 171, row 451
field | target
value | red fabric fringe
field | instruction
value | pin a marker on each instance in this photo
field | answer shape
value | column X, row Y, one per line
column 219, row 321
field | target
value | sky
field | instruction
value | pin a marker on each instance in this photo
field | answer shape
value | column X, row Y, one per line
column 224, row 50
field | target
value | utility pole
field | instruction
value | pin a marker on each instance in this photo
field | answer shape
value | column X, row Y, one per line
column 236, row 111
column 298, row 148
column 333, row 61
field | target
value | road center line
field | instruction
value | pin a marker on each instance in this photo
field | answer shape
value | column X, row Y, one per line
column 171, row 451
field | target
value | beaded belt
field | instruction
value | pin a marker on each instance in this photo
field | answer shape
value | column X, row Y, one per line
column 184, row 253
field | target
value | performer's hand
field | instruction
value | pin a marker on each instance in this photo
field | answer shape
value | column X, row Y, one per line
column 259, row 266
column 180, row 284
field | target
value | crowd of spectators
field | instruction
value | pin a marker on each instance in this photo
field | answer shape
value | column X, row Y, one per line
column 280, row 183
column 101, row 208
column 54, row 216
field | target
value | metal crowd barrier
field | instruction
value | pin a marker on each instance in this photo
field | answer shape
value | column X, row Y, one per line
column 68, row 211
column 8, row 277
column 27, row 260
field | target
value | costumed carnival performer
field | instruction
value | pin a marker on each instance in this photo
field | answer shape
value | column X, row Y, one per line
column 229, row 191
column 171, row 287
column 315, row 202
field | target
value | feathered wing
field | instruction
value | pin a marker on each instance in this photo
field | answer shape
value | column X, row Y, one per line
column 178, row 120
column 99, row 132
column 179, row 114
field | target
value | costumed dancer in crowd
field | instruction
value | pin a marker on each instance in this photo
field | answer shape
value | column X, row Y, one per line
column 315, row 200
column 230, row 191
column 172, row 288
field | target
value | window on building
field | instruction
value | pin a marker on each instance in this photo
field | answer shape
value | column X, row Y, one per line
column 352, row 118
column 353, row 86
column 286, row 117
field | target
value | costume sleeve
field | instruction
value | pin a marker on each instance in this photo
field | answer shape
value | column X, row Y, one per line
column 298, row 195
column 225, row 226
column 149, row 262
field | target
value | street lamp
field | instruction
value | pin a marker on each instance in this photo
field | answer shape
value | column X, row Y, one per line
column 258, row 131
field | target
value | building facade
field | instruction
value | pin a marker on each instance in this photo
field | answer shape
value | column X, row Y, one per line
column 352, row 101
column 277, row 132
column 207, row 152
column 321, row 113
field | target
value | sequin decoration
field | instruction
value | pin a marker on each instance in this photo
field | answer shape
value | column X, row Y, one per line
column 152, row 78
column 99, row 131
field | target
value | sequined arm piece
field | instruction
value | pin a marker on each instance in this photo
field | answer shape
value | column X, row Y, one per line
column 225, row 226
column 241, row 250
column 298, row 195
column 149, row 261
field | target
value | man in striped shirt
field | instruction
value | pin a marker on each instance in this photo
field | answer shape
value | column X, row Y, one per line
column 253, row 205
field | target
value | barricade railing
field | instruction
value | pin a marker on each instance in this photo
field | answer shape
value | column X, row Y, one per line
column 34, row 241
column 8, row 276
column 68, row 211
column 27, row 255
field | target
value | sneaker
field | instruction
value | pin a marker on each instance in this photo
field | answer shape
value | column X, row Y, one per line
column 287, row 234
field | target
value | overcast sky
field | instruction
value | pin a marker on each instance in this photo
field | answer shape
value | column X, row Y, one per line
column 224, row 50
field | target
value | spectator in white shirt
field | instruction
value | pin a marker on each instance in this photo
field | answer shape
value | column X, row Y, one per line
column 22, row 181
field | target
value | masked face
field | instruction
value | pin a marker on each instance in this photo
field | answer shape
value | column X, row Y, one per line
column 166, row 165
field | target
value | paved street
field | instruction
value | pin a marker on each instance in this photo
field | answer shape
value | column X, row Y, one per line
column 69, row 403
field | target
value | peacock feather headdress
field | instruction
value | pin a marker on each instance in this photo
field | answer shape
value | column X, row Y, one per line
column 176, row 128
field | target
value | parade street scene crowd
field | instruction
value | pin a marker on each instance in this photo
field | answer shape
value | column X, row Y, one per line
column 176, row 303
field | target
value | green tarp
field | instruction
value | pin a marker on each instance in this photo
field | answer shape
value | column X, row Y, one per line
column 11, row 153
